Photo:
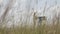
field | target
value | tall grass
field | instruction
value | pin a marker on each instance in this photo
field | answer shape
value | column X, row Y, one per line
column 41, row 29
column 54, row 29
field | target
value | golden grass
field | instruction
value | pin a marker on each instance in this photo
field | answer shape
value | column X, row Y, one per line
column 43, row 29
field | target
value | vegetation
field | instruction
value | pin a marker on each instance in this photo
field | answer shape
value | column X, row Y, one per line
column 43, row 29
column 40, row 29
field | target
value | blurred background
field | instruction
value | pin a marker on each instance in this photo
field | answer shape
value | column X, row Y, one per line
column 29, row 16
